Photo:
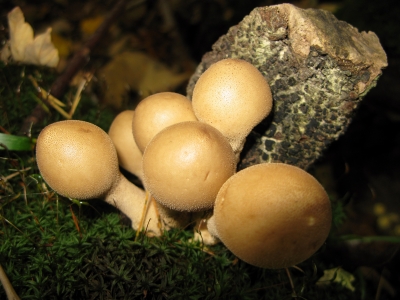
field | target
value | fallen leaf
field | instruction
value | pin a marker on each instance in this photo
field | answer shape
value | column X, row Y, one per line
column 41, row 51
column 63, row 45
column 21, row 34
column 140, row 72
column 339, row 276
column 26, row 48
column 89, row 26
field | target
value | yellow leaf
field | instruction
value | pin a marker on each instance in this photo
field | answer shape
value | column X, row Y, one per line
column 41, row 51
column 21, row 34
column 62, row 44
column 140, row 72
column 90, row 25
column 24, row 47
column 337, row 275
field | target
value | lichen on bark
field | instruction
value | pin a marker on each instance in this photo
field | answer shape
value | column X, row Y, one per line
column 319, row 69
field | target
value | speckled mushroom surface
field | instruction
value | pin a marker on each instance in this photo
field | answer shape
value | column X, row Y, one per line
column 233, row 96
column 318, row 68
column 272, row 215
column 157, row 112
column 77, row 159
column 185, row 165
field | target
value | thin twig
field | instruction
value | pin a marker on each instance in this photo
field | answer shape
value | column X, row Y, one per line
column 47, row 98
column 6, row 178
column 75, row 64
column 143, row 216
column 77, row 98
column 10, row 292
column 82, row 55
column 294, row 294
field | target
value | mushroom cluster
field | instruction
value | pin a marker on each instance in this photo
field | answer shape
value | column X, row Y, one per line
column 185, row 153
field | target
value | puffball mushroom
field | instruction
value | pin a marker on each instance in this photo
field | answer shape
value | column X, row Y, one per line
column 157, row 112
column 233, row 96
column 272, row 215
column 129, row 155
column 185, row 165
column 78, row 160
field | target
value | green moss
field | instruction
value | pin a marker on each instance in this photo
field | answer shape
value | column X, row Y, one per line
column 18, row 98
column 48, row 258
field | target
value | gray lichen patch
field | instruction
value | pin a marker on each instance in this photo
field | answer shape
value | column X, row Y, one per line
column 318, row 67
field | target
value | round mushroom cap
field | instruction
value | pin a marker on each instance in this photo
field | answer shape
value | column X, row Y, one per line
column 185, row 165
column 157, row 112
column 233, row 96
column 272, row 215
column 77, row 159
column 120, row 132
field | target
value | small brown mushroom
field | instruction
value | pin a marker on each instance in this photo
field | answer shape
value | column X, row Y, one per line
column 157, row 112
column 78, row 160
column 185, row 165
column 233, row 96
column 272, row 215
column 129, row 155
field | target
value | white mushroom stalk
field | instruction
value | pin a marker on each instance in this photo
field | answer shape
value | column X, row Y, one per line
column 272, row 215
column 78, row 160
column 233, row 96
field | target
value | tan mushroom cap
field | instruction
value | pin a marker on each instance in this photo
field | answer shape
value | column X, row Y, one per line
column 157, row 112
column 233, row 96
column 185, row 165
column 77, row 159
column 272, row 215
column 120, row 132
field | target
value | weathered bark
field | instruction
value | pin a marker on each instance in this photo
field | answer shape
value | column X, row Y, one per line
column 319, row 69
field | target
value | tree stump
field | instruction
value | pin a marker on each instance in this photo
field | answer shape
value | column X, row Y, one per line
column 319, row 69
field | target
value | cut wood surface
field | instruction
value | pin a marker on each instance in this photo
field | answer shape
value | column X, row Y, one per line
column 319, row 69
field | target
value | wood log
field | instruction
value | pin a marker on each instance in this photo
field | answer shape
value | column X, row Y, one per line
column 319, row 69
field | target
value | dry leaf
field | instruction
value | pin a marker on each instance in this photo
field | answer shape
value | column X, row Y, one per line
column 26, row 48
column 137, row 71
column 89, row 26
column 337, row 275
column 63, row 45
column 21, row 34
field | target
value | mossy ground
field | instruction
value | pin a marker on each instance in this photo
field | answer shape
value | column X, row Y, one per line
column 55, row 248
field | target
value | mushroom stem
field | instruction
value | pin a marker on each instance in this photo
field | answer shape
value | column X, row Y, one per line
column 145, row 213
column 205, row 231
column 172, row 218
column 237, row 147
column 212, row 229
column 131, row 200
